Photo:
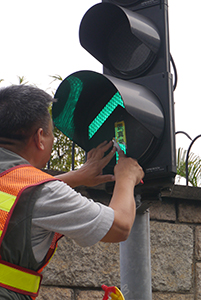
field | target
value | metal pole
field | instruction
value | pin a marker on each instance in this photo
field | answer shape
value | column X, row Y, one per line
column 73, row 156
column 135, row 261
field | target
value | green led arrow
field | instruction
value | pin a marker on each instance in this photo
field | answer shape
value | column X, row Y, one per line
column 65, row 121
column 105, row 113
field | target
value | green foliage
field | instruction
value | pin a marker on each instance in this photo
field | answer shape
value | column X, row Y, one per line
column 194, row 166
column 61, row 156
column 22, row 80
column 55, row 78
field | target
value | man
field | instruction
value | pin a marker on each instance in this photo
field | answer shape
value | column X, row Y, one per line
column 37, row 209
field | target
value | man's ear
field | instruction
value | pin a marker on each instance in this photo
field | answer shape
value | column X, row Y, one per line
column 39, row 139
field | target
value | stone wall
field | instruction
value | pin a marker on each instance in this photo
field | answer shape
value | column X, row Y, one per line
column 77, row 273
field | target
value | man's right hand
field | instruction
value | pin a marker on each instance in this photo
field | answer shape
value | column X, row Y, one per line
column 128, row 168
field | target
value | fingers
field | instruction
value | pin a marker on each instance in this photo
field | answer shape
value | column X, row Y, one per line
column 100, row 150
column 101, row 145
column 105, row 178
column 105, row 146
column 121, row 153
column 128, row 168
column 139, row 173
column 106, row 159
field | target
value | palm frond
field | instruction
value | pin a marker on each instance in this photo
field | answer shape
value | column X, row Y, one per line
column 55, row 77
column 194, row 166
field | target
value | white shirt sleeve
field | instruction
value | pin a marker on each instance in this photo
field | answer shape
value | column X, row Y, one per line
column 61, row 209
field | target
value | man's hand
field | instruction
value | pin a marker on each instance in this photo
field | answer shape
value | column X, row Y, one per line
column 91, row 171
column 128, row 169
column 90, row 174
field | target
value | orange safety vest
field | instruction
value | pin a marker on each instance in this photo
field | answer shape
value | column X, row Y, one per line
column 12, row 183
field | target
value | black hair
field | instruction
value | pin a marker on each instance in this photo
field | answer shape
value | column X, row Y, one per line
column 23, row 109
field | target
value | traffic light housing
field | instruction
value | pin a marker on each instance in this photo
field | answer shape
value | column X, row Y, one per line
column 124, row 41
column 132, row 43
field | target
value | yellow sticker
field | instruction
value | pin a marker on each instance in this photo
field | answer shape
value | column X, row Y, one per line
column 120, row 135
column 120, row 132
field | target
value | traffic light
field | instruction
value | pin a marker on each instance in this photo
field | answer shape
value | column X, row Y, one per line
column 134, row 94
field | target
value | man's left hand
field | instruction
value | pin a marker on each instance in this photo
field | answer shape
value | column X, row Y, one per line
column 96, row 161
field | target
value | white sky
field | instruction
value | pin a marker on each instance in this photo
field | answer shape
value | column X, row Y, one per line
column 40, row 38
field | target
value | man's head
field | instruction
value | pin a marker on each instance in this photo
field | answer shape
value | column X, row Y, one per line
column 25, row 122
column 23, row 109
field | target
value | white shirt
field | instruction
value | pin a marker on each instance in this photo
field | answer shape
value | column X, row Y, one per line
column 61, row 209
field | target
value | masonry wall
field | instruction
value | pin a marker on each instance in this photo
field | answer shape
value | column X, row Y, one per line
column 77, row 273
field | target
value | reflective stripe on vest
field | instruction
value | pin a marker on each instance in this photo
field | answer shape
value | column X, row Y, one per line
column 12, row 183
column 6, row 203
column 19, row 280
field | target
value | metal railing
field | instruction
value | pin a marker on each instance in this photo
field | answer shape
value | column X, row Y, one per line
column 188, row 151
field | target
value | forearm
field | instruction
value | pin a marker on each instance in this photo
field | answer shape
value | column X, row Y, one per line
column 71, row 178
column 127, row 174
column 123, row 204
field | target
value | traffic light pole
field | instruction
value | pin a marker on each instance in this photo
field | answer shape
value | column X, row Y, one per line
column 135, row 261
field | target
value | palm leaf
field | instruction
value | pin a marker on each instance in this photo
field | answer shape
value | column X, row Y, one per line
column 194, row 166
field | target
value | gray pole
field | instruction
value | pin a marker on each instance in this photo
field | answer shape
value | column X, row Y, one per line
column 135, row 261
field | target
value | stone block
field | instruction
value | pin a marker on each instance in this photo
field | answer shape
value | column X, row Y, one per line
column 171, row 257
column 87, row 295
column 55, row 293
column 162, row 211
column 198, row 281
column 198, row 242
column 75, row 266
column 189, row 213
column 172, row 296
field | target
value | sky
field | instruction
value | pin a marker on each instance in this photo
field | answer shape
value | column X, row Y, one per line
column 39, row 39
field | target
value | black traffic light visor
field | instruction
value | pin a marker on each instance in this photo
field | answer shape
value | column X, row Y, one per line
column 123, row 41
column 88, row 105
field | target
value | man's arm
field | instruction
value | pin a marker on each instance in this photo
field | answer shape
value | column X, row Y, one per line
column 127, row 174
